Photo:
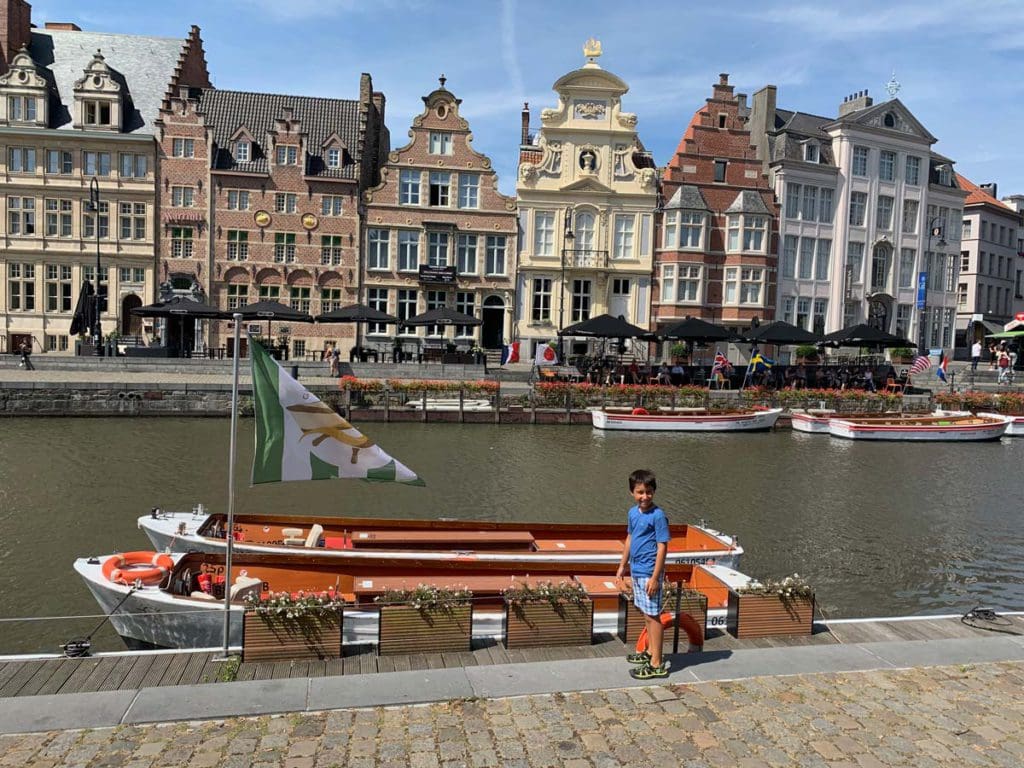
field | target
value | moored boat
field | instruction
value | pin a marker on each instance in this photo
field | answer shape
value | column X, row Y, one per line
column 524, row 544
column 1016, row 426
column 186, row 611
column 686, row 419
column 962, row 428
column 815, row 420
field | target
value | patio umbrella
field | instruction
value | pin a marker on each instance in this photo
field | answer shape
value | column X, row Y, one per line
column 272, row 310
column 180, row 307
column 864, row 335
column 781, row 332
column 694, row 329
column 443, row 316
column 607, row 327
column 356, row 313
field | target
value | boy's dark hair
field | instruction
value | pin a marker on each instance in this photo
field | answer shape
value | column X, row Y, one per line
column 643, row 477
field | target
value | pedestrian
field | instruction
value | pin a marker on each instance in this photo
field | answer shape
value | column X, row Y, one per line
column 26, row 360
column 993, row 355
column 328, row 350
column 1004, row 366
column 646, row 545
column 869, row 380
column 335, row 362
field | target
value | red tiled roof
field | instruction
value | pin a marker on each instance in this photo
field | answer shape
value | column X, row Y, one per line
column 977, row 196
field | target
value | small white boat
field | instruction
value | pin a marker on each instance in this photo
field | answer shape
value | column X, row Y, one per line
column 921, row 428
column 686, row 419
column 174, row 614
column 815, row 421
column 1015, row 427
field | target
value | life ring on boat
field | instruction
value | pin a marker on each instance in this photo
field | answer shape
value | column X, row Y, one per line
column 688, row 624
column 129, row 567
column 641, row 412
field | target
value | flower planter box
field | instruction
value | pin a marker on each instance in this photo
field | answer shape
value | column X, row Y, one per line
column 406, row 629
column 541, row 624
column 769, row 615
column 268, row 637
column 631, row 620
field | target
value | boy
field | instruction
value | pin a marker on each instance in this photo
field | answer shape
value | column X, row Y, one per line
column 646, row 544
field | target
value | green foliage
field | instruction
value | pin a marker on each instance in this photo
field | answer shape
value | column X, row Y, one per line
column 427, row 598
column 229, row 670
column 678, row 349
column 296, row 605
column 546, row 592
column 806, row 350
column 901, row 353
column 787, row 588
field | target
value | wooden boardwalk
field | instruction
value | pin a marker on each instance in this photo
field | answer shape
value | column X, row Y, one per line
column 35, row 677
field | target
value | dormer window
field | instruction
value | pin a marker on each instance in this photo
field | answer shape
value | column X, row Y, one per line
column 287, row 155
column 21, row 109
column 26, row 92
column 334, row 158
column 811, row 152
column 945, row 176
column 96, row 113
column 242, row 152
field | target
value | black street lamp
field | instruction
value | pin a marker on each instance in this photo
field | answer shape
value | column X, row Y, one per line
column 933, row 229
column 567, row 240
column 94, row 206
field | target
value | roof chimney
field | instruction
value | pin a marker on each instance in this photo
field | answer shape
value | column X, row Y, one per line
column 15, row 29
column 525, row 134
column 62, row 26
column 989, row 188
column 855, row 102
column 722, row 90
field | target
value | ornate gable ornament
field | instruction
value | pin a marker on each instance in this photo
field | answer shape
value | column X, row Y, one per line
column 893, row 115
column 23, row 73
column 97, row 78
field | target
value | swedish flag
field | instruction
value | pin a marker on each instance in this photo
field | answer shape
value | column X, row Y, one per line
column 759, row 363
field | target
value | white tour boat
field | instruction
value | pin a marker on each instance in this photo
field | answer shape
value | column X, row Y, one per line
column 686, row 419
column 921, row 428
column 1015, row 427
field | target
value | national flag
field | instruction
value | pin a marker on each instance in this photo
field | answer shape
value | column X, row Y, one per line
column 759, row 363
column 545, row 354
column 943, row 367
column 721, row 363
column 921, row 363
column 510, row 353
column 300, row 438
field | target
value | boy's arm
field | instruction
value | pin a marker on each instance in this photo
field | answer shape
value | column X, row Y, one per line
column 654, row 583
column 624, row 560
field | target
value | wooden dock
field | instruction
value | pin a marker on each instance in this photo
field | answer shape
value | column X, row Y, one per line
column 128, row 671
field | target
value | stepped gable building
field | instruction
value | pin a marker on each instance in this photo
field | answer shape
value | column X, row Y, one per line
column 716, row 247
column 587, row 193
column 990, row 290
column 77, row 106
column 439, row 234
column 869, row 213
column 259, row 197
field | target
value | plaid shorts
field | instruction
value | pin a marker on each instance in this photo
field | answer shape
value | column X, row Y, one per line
column 649, row 606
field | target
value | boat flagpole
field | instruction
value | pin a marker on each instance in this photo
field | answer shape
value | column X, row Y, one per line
column 230, row 533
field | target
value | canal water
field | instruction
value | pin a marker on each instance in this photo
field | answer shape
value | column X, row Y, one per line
column 879, row 529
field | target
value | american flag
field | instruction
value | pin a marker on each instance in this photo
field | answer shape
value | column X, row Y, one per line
column 921, row 363
column 720, row 364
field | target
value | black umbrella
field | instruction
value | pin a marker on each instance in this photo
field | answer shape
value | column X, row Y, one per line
column 181, row 307
column 85, row 311
column 606, row 327
column 696, row 330
column 781, row 332
column 864, row 335
column 443, row 316
column 357, row 313
column 272, row 310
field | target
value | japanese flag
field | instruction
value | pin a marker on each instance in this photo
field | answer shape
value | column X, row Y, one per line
column 545, row 355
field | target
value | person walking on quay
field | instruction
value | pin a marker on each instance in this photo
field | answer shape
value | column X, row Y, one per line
column 26, row 359
column 1005, row 370
column 646, row 545
column 975, row 355
column 993, row 355
column 335, row 362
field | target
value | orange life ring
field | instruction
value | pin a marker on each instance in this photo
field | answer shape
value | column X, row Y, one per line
column 688, row 624
column 129, row 567
column 640, row 412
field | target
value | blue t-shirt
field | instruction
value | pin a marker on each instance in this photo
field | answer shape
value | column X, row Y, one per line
column 646, row 530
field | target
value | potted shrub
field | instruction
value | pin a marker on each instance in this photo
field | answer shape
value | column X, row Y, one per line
column 807, row 353
column 900, row 355
column 548, row 614
column 771, row 608
column 281, row 625
column 678, row 352
column 425, row 619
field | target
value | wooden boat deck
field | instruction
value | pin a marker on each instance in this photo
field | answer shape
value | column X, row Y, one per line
column 32, row 677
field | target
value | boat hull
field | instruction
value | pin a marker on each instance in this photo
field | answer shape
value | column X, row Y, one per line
column 752, row 421
column 951, row 432
column 1016, row 426
column 811, row 423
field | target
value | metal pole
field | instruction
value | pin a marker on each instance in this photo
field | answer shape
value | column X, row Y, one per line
column 231, row 482
column 94, row 203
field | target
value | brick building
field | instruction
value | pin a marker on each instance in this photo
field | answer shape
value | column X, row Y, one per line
column 259, row 199
column 716, row 245
column 77, row 106
column 438, row 233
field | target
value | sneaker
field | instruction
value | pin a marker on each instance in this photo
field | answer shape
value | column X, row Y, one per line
column 639, row 658
column 647, row 672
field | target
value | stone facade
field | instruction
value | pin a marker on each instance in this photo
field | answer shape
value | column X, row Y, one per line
column 259, row 200
column 867, row 208
column 438, row 233
column 76, row 107
column 989, row 290
column 585, row 173
column 715, row 255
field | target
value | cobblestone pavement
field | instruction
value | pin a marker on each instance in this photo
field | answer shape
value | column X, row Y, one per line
column 921, row 717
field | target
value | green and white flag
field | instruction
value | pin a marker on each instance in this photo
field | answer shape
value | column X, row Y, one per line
column 300, row 438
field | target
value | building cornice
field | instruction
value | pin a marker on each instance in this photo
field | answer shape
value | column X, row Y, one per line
column 132, row 138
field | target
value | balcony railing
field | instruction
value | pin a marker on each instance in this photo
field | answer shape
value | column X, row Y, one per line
column 584, row 258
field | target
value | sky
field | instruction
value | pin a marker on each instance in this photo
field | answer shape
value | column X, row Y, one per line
column 959, row 63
